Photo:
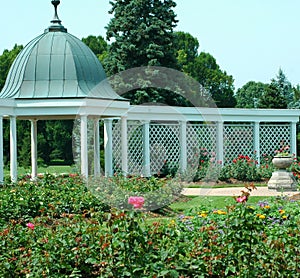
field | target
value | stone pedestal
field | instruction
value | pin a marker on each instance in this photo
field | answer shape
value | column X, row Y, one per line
column 282, row 180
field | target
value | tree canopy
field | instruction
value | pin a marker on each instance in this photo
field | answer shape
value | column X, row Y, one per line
column 6, row 60
column 250, row 94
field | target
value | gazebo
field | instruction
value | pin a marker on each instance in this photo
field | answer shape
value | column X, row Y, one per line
column 56, row 76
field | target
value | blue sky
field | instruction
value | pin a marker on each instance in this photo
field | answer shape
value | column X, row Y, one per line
column 250, row 39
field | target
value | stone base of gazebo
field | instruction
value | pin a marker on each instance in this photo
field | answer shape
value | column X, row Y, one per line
column 282, row 180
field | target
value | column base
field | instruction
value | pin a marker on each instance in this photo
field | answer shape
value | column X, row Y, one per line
column 282, row 180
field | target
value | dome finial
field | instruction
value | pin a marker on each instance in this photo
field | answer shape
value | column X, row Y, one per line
column 56, row 19
column 56, row 22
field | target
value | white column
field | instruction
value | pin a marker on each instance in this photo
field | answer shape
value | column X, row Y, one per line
column 146, row 172
column 183, row 146
column 84, row 146
column 220, row 142
column 294, row 138
column 33, row 149
column 13, row 149
column 1, row 152
column 124, row 145
column 96, row 148
column 256, row 142
column 108, row 154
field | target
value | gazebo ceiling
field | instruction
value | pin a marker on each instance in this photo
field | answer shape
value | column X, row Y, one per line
column 56, row 65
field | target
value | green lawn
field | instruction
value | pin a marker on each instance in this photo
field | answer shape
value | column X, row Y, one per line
column 210, row 202
column 54, row 169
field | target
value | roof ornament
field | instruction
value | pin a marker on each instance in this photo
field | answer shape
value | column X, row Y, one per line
column 56, row 22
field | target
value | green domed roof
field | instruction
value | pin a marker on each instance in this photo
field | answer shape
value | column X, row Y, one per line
column 56, row 65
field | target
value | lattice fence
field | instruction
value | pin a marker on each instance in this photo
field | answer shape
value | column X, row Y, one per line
column 238, row 140
column 272, row 137
column 164, row 146
column 201, row 138
column 165, row 142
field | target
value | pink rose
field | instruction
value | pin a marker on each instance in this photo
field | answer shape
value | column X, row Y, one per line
column 136, row 201
column 241, row 199
column 30, row 225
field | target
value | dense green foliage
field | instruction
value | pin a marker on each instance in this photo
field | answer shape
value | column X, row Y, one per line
column 249, row 95
column 6, row 60
column 54, row 227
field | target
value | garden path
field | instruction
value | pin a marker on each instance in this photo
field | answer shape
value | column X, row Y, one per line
column 234, row 191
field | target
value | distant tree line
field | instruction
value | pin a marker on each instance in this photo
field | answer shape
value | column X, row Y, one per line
column 141, row 33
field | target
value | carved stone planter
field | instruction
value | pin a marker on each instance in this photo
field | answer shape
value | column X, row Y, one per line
column 282, row 180
column 282, row 162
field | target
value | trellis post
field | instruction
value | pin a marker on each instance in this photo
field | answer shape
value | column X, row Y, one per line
column 13, row 149
column 183, row 146
column 108, row 155
column 1, row 152
column 256, row 135
column 83, row 146
column 293, row 138
column 146, row 149
column 96, row 148
column 33, row 149
column 124, row 145
column 220, row 142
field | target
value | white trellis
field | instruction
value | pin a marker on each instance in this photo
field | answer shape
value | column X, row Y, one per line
column 159, row 134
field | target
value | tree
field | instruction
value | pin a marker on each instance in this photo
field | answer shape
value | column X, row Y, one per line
column 272, row 98
column 98, row 45
column 186, row 47
column 142, row 35
column 249, row 95
column 295, row 104
column 284, row 86
column 6, row 60
column 208, row 73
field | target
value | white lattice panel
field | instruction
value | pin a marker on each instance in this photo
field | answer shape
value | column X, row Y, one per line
column 272, row 137
column 201, row 137
column 116, row 142
column 135, row 148
column 164, row 146
column 238, row 140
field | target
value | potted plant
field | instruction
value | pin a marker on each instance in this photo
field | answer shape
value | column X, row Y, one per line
column 283, row 158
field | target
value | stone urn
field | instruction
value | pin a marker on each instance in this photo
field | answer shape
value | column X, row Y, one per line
column 282, row 162
column 281, row 179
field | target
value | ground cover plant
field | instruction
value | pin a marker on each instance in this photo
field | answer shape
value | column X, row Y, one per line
column 54, row 227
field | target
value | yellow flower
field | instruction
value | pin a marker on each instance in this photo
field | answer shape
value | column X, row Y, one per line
column 267, row 207
column 262, row 216
column 281, row 211
column 284, row 217
column 221, row 212
column 172, row 222
column 203, row 215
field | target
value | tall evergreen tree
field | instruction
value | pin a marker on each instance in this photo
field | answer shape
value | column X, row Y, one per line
column 284, row 86
column 272, row 98
column 142, row 34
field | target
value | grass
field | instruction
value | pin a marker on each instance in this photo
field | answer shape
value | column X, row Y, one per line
column 209, row 202
column 53, row 169
column 222, row 185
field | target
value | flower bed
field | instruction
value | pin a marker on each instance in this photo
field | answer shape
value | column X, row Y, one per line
column 59, row 229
